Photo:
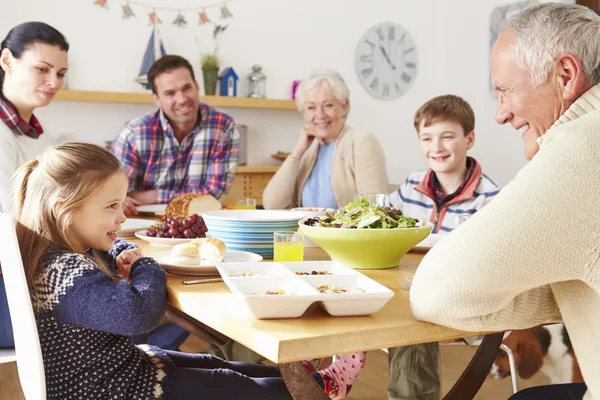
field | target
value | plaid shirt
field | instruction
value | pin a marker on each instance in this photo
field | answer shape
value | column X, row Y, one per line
column 440, row 197
column 13, row 120
column 204, row 162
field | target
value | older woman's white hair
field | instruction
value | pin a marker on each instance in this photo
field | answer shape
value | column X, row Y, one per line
column 319, row 77
column 544, row 31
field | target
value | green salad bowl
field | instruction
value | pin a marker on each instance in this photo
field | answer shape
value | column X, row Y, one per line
column 365, row 248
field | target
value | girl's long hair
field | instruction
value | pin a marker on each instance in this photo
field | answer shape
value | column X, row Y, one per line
column 69, row 173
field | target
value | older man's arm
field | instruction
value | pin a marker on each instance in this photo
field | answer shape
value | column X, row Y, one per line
column 493, row 272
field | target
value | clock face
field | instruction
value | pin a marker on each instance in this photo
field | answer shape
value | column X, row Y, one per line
column 386, row 60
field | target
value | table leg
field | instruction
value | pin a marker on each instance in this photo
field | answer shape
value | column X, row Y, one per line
column 302, row 386
column 469, row 383
column 300, row 383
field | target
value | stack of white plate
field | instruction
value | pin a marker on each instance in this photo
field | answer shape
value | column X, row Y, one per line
column 250, row 230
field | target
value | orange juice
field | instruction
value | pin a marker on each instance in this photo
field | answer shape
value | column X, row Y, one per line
column 288, row 251
column 245, row 204
column 244, row 207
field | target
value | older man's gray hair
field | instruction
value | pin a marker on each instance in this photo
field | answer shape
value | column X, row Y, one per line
column 319, row 77
column 544, row 31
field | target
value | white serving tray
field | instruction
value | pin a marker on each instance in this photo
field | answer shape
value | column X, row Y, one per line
column 301, row 290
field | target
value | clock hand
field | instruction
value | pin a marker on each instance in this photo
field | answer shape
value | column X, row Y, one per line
column 387, row 58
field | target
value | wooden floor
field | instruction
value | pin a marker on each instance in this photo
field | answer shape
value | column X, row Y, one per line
column 370, row 385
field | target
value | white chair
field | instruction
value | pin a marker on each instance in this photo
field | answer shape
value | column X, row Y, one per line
column 511, row 361
column 27, row 353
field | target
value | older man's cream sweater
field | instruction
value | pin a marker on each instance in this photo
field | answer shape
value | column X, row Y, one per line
column 532, row 254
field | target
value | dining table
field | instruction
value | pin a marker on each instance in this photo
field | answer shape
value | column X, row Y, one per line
column 210, row 311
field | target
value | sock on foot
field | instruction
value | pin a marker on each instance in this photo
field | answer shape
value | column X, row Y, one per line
column 341, row 374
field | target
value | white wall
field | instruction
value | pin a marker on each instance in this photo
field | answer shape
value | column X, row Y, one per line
column 289, row 38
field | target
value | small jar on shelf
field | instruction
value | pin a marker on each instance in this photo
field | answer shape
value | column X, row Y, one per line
column 257, row 83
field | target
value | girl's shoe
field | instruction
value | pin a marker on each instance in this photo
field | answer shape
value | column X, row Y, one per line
column 341, row 374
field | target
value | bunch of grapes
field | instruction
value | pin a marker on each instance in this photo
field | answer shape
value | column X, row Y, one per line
column 172, row 227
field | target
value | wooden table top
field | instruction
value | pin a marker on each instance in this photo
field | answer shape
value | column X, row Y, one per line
column 315, row 334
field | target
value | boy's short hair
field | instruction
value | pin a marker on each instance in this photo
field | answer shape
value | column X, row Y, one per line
column 446, row 108
column 167, row 63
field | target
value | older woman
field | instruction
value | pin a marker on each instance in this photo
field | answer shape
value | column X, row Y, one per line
column 33, row 63
column 332, row 162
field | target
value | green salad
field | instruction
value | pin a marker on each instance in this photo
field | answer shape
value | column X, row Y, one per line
column 361, row 214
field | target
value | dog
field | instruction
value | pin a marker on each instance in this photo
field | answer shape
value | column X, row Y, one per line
column 544, row 348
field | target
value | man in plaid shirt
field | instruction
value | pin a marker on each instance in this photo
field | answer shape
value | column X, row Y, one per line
column 183, row 147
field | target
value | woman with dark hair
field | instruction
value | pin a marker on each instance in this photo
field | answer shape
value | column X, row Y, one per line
column 33, row 64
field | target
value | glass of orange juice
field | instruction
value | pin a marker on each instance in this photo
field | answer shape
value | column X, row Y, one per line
column 245, row 204
column 288, row 246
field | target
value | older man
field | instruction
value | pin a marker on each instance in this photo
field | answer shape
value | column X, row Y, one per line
column 532, row 256
column 183, row 147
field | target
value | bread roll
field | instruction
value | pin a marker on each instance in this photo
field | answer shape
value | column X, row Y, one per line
column 192, row 203
column 213, row 250
column 186, row 253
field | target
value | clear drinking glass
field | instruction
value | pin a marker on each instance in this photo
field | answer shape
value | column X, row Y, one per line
column 288, row 246
column 245, row 204
column 375, row 199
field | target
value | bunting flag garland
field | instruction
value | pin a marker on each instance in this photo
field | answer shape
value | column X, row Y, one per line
column 127, row 11
column 154, row 18
column 101, row 3
column 203, row 18
column 205, row 12
column 225, row 13
column 180, row 21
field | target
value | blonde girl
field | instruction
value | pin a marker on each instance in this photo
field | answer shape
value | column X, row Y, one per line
column 69, row 208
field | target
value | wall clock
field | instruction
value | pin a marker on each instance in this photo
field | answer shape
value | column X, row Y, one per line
column 386, row 60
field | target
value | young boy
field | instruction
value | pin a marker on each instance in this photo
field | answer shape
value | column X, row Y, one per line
column 451, row 190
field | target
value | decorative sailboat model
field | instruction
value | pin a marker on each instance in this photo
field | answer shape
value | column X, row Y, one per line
column 154, row 51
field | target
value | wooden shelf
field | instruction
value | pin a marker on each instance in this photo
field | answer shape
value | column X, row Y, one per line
column 146, row 98
column 257, row 169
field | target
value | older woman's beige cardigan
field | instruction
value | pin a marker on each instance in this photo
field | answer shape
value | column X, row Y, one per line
column 358, row 167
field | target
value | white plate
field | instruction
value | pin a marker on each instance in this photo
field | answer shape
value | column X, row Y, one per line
column 151, row 209
column 253, row 215
column 205, row 268
column 163, row 242
column 132, row 225
column 427, row 243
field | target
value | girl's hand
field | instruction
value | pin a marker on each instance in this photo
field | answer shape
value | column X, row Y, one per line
column 125, row 260
column 307, row 135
